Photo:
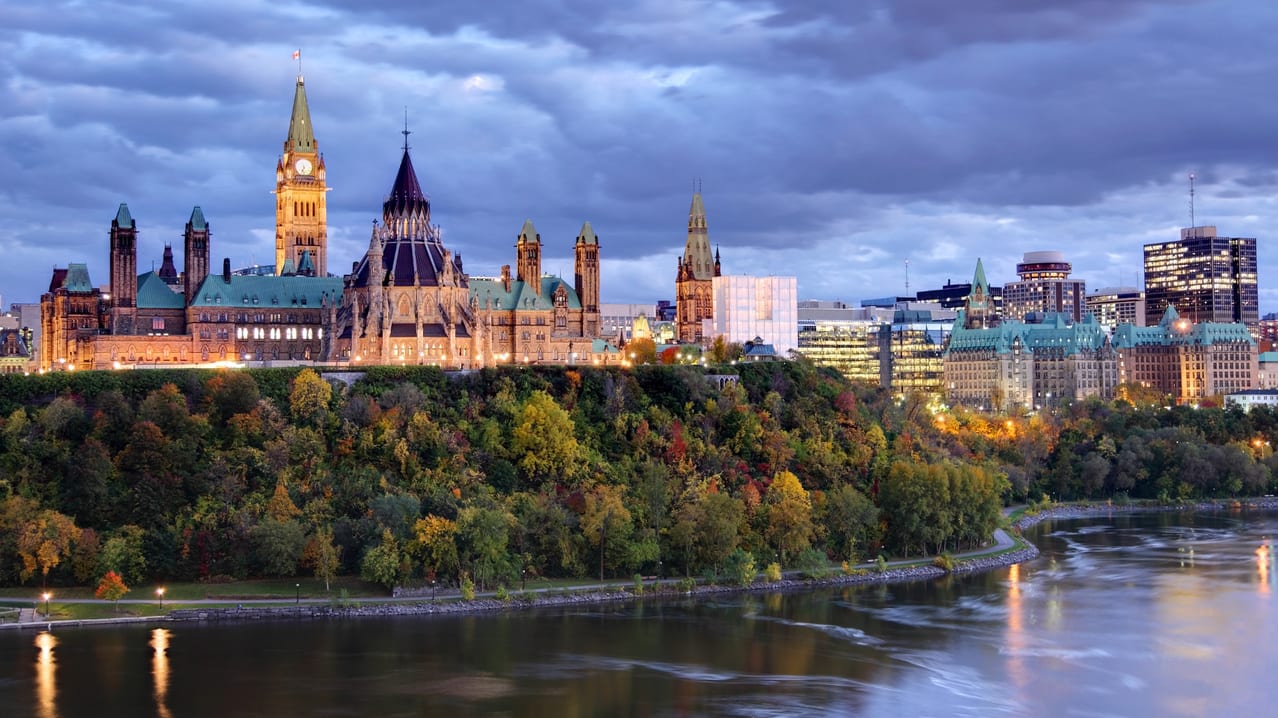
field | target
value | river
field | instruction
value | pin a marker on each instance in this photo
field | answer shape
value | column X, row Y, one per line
column 1140, row 615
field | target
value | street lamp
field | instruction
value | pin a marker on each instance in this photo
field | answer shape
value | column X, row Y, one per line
column 297, row 599
column 47, row 596
column 523, row 579
column 160, row 592
column 432, row 589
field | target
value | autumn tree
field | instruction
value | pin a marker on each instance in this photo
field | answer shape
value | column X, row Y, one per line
column 44, row 541
column 309, row 399
column 543, row 444
column 642, row 351
column 322, row 556
column 436, row 541
column 789, row 511
column 111, row 588
column 606, row 522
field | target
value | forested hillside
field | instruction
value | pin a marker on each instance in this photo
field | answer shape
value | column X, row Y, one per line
column 410, row 474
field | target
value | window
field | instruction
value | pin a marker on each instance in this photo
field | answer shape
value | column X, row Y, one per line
column 157, row 324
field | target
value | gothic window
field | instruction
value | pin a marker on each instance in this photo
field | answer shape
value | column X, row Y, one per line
column 157, row 324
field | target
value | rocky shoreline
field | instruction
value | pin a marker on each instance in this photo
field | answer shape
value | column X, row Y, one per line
column 1083, row 511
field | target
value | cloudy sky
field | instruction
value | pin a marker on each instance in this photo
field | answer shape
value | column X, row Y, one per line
column 833, row 140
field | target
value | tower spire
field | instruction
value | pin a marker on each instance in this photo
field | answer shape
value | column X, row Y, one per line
column 406, row 132
column 1191, row 201
column 300, row 136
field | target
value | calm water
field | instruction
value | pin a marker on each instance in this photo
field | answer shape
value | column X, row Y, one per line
column 1127, row 616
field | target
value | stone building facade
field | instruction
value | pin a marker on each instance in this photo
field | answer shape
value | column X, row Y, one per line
column 694, row 278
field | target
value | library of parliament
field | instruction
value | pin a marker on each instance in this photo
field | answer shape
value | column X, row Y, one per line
column 408, row 300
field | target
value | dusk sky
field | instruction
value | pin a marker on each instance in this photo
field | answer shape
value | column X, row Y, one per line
column 833, row 139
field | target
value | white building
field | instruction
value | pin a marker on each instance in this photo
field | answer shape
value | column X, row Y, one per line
column 746, row 308
column 1252, row 397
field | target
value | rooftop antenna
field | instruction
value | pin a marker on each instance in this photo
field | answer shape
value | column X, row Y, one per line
column 1191, row 201
column 907, row 276
column 406, row 131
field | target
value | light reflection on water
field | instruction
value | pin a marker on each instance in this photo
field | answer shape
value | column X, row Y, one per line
column 1121, row 616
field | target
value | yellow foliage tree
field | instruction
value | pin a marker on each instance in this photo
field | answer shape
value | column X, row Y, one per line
column 789, row 509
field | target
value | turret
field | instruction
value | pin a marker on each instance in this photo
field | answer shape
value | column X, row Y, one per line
column 195, row 242
column 528, row 252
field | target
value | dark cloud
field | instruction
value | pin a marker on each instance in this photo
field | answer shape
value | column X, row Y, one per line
column 833, row 140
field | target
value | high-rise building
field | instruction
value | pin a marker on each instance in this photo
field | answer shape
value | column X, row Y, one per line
column 1207, row 278
column 897, row 347
column 1117, row 305
column 694, row 277
column 954, row 296
column 1044, row 286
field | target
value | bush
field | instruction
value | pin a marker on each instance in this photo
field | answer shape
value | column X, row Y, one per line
column 686, row 584
column 502, row 593
column 773, row 572
column 812, row 564
column 944, row 561
column 740, row 567
column 467, row 587
column 638, row 584
column 880, row 564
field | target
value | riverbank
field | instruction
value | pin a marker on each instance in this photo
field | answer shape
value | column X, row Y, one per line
column 1083, row 511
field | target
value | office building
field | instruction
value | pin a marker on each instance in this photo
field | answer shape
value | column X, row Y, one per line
column 747, row 309
column 1044, row 287
column 1117, row 305
column 1207, row 278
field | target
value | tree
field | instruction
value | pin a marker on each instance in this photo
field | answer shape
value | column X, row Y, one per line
column 542, row 443
column 642, row 351
column 44, row 541
column 437, row 542
column 789, row 511
column 851, row 522
column 122, row 553
column 322, row 555
column 111, row 588
column 278, row 546
column 740, row 567
column 308, row 401
column 381, row 564
column 483, row 535
column 606, row 519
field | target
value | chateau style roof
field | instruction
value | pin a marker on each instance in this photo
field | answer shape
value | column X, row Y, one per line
column 521, row 295
column 300, row 136
column 75, row 277
column 587, row 235
column 1045, row 331
column 978, row 279
column 154, row 293
column 267, row 292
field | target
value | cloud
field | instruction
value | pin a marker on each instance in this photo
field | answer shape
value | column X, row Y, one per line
column 832, row 140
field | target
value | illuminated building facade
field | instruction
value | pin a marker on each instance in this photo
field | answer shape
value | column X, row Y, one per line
column 755, row 308
column 896, row 348
column 1044, row 286
column 1208, row 278
column 1186, row 360
column 1117, row 305
column 694, row 279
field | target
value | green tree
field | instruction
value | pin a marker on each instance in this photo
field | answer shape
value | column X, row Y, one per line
column 851, row 522
column 789, row 512
column 740, row 568
column 111, row 588
column 123, row 554
column 278, row 546
column 382, row 563
column 310, row 397
column 606, row 522
column 482, row 540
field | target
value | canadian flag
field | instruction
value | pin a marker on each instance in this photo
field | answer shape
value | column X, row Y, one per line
column 297, row 54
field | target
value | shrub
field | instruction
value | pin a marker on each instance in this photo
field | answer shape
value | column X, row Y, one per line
column 880, row 564
column 638, row 584
column 812, row 563
column 686, row 584
column 467, row 587
column 944, row 561
column 502, row 593
column 740, row 567
column 773, row 572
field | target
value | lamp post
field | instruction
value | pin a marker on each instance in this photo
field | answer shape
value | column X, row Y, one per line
column 432, row 589
column 47, row 596
column 160, row 592
column 297, row 598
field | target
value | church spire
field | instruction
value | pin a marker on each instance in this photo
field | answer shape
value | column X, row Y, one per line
column 300, row 136
column 696, row 253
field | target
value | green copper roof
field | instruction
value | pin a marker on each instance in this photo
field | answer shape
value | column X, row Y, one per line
column 1055, row 332
column 1170, row 315
column 587, row 235
column 153, row 293
column 521, row 296
column 603, row 346
column 77, row 279
column 1267, row 357
column 122, row 216
column 528, row 233
column 1177, row 332
column 978, row 279
column 300, row 136
column 197, row 219
column 267, row 292
column 305, row 264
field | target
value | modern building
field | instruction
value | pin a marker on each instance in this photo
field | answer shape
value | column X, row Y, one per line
column 747, row 308
column 1186, row 360
column 897, row 348
column 1208, row 278
column 1044, row 287
column 1117, row 305
column 694, row 278
column 954, row 296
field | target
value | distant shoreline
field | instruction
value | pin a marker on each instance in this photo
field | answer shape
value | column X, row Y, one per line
column 667, row 589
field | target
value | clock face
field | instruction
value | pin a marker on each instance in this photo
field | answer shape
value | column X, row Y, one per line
column 303, row 166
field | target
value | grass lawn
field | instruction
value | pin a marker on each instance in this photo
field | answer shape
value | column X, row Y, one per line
column 306, row 587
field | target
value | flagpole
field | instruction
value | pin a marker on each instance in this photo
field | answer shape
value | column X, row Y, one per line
column 297, row 55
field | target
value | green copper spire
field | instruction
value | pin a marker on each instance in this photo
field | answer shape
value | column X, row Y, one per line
column 300, row 136
column 587, row 235
column 978, row 280
column 197, row 219
column 122, row 216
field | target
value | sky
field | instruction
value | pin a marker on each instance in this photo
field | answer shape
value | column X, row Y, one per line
column 833, row 141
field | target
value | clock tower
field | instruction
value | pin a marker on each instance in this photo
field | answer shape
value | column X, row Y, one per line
column 301, row 211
